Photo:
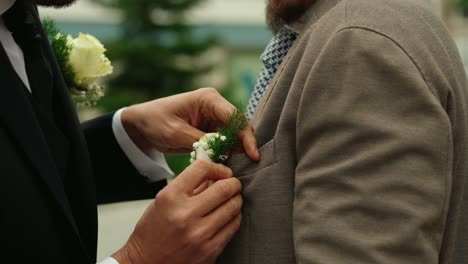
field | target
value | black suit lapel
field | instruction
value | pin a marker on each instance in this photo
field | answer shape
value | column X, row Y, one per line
column 17, row 115
column 19, row 118
column 76, row 198
column 79, row 183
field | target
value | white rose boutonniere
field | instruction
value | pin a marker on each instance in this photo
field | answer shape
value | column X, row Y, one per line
column 82, row 61
column 217, row 147
column 88, row 60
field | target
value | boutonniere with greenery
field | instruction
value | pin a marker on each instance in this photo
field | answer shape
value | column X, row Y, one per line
column 82, row 62
column 217, row 147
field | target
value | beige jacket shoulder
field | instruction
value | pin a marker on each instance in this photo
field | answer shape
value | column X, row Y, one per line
column 363, row 135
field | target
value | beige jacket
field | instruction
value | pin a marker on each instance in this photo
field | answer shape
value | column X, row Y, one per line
column 363, row 136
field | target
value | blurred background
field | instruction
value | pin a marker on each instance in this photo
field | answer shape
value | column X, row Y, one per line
column 162, row 47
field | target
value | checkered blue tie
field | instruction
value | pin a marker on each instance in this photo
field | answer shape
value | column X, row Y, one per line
column 272, row 58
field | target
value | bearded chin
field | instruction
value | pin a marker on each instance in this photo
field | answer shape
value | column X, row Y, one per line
column 55, row 3
column 282, row 12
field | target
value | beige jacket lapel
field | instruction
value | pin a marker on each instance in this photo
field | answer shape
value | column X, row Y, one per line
column 319, row 8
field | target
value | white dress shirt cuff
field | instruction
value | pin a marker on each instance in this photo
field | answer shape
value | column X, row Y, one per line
column 108, row 260
column 152, row 164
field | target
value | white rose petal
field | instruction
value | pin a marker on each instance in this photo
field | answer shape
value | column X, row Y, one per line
column 69, row 39
column 88, row 60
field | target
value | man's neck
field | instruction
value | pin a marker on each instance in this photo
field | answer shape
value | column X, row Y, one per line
column 5, row 5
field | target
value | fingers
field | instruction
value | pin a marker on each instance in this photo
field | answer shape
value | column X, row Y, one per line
column 219, row 109
column 214, row 105
column 216, row 195
column 223, row 215
column 250, row 143
column 201, row 188
column 186, row 135
column 198, row 172
column 225, row 235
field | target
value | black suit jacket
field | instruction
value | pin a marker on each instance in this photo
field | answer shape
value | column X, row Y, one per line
column 47, row 217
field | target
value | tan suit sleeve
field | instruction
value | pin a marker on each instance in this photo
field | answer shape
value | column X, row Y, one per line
column 374, row 157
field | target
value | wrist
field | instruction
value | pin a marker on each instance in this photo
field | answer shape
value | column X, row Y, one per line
column 129, row 118
column 122, row 256
column 127, row 255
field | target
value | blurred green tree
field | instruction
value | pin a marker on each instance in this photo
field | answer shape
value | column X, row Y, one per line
column 157, row 53
column 463, row 5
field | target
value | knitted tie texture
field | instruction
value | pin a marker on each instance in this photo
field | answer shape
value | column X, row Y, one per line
column 272, row 58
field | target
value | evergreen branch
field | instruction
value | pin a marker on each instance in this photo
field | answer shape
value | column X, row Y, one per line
column 222, row 148
column 50, row 27
column 61, row 48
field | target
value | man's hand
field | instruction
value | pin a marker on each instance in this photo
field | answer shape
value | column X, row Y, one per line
column 180, row 226
column 172, row 124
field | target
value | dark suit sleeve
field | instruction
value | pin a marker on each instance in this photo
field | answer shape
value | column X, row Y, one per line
column 116, row 178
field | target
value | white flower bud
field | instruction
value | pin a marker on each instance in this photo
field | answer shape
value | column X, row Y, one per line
column 196, row 144
column 193, row 154
column 209, row 152
column 202, row 154
column 204, row 145
column 223, row 138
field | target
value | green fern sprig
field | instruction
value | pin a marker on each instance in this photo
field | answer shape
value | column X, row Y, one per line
column 222, row 148
column 62, row 50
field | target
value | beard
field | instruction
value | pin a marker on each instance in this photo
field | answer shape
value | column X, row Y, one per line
column 283, row 12
column 54, row 3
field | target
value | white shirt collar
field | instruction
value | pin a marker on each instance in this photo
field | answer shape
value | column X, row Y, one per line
column 5, row 5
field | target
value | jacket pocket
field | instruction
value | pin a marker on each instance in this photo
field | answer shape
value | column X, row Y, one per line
column 242, row 165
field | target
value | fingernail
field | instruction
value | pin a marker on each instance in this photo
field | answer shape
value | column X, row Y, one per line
column 229, row 171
